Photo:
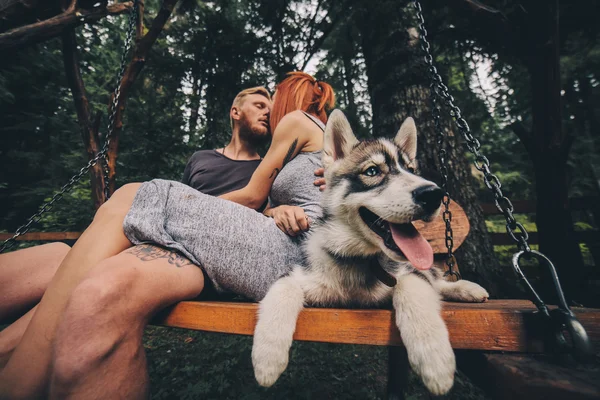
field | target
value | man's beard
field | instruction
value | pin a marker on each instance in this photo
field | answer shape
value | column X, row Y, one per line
column 251, row 135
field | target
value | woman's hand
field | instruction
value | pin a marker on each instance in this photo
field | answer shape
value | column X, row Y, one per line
column 320, row 182
column 292, row 220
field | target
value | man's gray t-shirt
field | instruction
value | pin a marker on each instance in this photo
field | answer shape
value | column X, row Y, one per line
column 214, row 174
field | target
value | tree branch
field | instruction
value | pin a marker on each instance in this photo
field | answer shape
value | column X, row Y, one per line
column 18, row 12
column 131, row 73
column 75, row 81
column 480, row 6
column 311, row 50
column 312, row 25
column 71, row 6
column 507, row 33
column 89, row 131
column 525, row 136
column 44, row 30
column 140, row 22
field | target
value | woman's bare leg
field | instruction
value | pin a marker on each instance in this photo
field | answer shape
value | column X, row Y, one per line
column 25, row 276
column 98, row 353
column 27, row 372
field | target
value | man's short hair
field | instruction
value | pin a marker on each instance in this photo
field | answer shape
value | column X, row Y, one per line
column 239, row 99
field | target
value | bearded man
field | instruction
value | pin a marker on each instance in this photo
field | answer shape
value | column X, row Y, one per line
column 215, row 172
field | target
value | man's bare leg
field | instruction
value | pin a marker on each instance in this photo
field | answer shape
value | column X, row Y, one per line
column 25, row 276
column 27, row 372
column 98, row 352
column 10, row 337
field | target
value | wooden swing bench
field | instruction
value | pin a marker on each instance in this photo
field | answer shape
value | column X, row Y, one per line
column 496, row 325
column 489, row 329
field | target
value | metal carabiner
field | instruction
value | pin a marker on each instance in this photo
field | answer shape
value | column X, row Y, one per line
column 558, row 319
column 450, row 263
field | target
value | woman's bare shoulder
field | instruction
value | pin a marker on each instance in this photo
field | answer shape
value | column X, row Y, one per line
column 294, row 116
column 294, row 121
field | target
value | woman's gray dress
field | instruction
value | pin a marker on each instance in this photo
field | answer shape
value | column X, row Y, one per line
column 241, row 250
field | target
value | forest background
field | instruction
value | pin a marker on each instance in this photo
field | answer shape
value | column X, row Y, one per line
column 524, row 74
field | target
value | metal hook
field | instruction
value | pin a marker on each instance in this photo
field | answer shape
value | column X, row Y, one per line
column 453, row 273
column 561, row 318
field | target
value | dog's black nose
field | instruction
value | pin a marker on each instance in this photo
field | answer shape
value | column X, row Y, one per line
column 429, row 197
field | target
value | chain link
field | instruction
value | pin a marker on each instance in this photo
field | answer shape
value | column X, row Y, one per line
column 102, row 155
column 516, row 231
column 443, row 162
column 117, row 94
column 442, row 154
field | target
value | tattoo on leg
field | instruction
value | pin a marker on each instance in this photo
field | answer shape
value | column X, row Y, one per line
column 148, row 252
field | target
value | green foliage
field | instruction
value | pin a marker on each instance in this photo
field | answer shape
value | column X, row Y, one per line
column 211, row 50
column 497, row 223
column 38, row 148
column 344, row 69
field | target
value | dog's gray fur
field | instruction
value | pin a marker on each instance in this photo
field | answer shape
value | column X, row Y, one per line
column 340, row 247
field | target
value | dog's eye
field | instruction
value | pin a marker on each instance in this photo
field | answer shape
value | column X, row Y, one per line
column 372, row 171
column 411, row 170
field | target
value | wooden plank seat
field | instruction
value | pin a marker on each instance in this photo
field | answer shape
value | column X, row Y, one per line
column 497, row 325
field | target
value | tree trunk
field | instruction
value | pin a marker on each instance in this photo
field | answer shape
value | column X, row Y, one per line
column 551, row 146
column 195, row 100
column 89, row 130
column 15, row 13
column 347, row 56
column 399, row 88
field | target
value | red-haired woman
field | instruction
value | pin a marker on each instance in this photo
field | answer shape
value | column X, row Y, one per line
column 160, row 242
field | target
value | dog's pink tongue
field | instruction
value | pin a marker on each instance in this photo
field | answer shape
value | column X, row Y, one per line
column 413, row 245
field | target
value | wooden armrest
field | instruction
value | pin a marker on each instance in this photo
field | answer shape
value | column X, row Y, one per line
column 435, row 231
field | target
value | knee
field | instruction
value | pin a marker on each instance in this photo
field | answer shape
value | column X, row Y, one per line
column 98, row 308
column 102, row 296
column 96, row 323
column 57, row 248
column 111, row 210
column 119, row 203
column 55, row 253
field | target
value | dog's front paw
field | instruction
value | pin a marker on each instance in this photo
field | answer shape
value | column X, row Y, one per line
column 438, row 377
column 465, row 291
column 436, row 365
column 269, row 361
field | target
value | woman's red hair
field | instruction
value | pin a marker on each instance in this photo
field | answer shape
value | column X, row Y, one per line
column 300, row 91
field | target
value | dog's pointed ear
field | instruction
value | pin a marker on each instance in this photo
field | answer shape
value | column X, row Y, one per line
column 339, row 138
column 406, row 138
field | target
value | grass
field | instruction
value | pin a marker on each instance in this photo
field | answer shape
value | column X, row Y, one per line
column 192, row 365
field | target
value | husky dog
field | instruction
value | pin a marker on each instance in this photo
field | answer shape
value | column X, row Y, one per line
column 364, row 252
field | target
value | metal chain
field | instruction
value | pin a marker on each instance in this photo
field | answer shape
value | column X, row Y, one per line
column 102, row 154
column 442, row 153
column 116, row 95
column 514, row 228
